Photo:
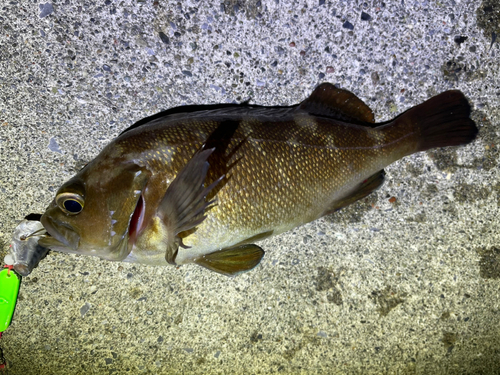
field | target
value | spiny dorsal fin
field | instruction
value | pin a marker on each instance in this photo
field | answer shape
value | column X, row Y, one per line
column 329, row 101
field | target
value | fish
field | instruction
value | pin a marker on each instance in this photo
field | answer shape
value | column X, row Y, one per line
column 203, row 184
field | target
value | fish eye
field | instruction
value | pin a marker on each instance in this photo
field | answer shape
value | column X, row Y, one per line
column 70, row 203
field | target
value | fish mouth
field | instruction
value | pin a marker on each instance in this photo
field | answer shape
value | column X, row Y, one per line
column 61, row 236
column 137, row 220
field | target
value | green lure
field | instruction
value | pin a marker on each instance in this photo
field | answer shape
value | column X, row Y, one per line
column 9, row 287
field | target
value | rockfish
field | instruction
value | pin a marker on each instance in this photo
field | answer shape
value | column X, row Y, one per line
column 202, row 184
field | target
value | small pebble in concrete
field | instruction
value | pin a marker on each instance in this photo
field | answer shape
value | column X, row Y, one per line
column 53, row 146
column 46, row 9
column 348, row 25
column 165, row 39
column 365, row 16
column 84, row 309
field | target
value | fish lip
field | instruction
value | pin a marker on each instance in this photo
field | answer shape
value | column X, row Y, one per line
column 61, row 232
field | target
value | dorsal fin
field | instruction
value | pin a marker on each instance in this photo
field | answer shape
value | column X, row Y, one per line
column 329, row 101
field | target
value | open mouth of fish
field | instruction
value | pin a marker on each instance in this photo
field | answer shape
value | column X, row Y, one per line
column 136, row 220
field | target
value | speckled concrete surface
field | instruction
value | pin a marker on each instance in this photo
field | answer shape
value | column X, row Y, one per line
column 409, row 287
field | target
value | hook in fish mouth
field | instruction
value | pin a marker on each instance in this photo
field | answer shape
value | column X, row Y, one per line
column 36, row 233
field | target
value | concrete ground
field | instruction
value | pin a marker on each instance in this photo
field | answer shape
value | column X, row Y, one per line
column 399, row 286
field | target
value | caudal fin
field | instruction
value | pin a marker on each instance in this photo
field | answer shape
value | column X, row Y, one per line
column 441, row 121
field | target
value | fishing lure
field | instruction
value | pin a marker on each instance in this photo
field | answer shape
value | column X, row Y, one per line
column 25, row 252
column 9, row 288
column 24, row 255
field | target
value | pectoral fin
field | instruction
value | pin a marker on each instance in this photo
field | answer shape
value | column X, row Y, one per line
column 183, row 206
column 233, row 261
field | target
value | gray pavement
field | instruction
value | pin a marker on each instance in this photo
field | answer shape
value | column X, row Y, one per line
column 399, row 286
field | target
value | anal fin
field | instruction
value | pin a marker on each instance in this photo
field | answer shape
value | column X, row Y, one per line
column 364, row 189
column 232, row 261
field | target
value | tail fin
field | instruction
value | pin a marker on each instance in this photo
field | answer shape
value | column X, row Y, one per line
column 442, row 121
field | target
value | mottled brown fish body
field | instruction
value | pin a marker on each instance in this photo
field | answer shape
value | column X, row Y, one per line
column 289, row 172
column 280, row 168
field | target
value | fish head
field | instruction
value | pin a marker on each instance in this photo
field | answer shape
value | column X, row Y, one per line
column 97, row 212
